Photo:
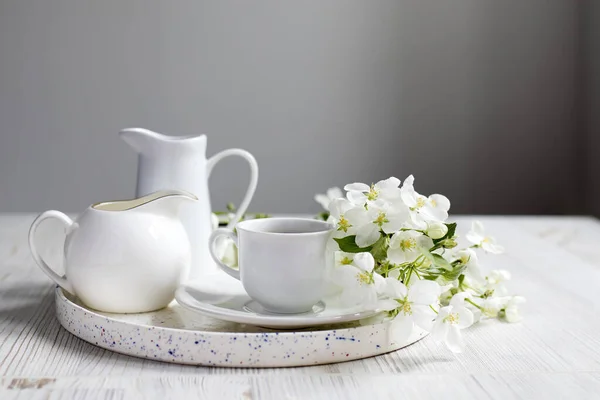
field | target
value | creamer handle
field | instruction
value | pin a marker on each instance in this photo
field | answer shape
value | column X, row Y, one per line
column 68, row 222
column 253, row 178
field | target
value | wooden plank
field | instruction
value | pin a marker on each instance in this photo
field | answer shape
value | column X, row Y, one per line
column 501, row 386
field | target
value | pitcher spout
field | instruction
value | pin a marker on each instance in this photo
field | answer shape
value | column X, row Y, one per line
column 145, row 141
column 140, row 139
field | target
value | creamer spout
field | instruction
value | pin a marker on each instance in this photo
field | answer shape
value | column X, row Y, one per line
column 162, row 201
column 167, row 201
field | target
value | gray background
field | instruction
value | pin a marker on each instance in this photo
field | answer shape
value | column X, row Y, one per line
column 489, row 102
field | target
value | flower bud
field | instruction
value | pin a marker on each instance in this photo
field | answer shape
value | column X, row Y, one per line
column 437, row 230
column 449, row 243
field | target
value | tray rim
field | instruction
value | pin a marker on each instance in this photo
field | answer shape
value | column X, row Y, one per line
column 201, row 357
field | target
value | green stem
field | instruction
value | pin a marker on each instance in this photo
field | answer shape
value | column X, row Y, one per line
column 433, row 309
column 407, row 280
column 473, row 303
column 419, row 260
column 410, row 229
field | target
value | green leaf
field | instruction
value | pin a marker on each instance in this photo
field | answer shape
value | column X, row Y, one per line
column 451, row 230
column 428, row 255
column 261, row 216
column 449, row 234
column 455, row 273
column 323, row 216
column 441, row 262
column 380, row 247
column 348, row 245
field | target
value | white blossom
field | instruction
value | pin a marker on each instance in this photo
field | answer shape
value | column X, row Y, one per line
column 436, row 230
column 386, row 190
column 511, row 310
column 424, row 209
column 413, row 304
column 338, row 209
column 360, row 284
column 477, row 236
column 449, row 322
column 325, row 199
column 407, row 246
column 495, row 282
column 490, row 307
column 380, row 216
column 409, row 223
column 469, row 258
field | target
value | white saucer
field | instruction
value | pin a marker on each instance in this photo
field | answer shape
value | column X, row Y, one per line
column 237, row 306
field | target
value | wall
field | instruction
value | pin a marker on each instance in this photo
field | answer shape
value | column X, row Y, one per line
column 592, row 91
column 474, row 97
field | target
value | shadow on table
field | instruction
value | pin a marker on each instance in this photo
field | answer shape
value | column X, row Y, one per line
column 23, row 302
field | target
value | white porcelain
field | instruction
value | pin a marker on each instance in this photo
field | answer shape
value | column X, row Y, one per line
column 179, row 163
column 123, row 256
column 241, row 308
column 281, row 261
column 176, row 335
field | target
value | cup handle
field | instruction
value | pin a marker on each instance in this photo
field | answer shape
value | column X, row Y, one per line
column 68, row 222
column 253, row 178
column 211, row 247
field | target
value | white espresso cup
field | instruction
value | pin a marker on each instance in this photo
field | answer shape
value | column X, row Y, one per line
column 281, row 261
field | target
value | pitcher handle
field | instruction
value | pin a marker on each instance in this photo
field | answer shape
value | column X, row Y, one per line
column 253, row 178
column 68, row 222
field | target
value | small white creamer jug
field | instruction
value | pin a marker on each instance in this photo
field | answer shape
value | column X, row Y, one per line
column 180, row 163
column 123, row 256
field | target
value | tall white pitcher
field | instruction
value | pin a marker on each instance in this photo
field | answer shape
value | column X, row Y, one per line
column 179, row 163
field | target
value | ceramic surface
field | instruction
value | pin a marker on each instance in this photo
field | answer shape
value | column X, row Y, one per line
column 179, row 163
column 241, row 308
column 281, row 261
column 123, row 256
column 180, row 336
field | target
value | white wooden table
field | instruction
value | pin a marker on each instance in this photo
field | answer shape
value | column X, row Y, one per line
column 553, row 353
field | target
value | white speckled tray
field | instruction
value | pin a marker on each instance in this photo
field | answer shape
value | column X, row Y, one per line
column 176, row 335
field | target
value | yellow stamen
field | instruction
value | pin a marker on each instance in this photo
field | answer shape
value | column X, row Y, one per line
column 364, row 278
column 408, row 244
column 346, row 261
column 420, row 203
column 405, row 308
column 372, row 195
column 381, row 219
column 343, row 224
column 452, row 318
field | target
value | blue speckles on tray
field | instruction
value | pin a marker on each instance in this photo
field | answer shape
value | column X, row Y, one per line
column 176, row 335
